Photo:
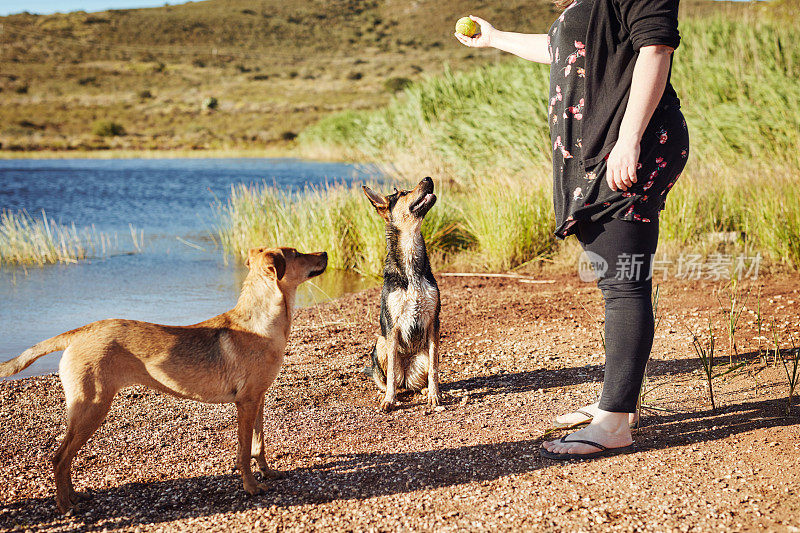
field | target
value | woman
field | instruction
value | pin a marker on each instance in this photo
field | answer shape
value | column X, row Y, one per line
column 619, row 144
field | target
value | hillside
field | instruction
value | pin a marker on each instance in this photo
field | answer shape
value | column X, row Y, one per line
column 273, row 67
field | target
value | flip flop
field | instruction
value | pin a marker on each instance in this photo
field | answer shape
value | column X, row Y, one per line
column 565, row 425
column 602, row 451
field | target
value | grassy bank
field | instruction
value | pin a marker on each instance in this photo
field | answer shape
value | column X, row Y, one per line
column 484, row 135
column 27, row 240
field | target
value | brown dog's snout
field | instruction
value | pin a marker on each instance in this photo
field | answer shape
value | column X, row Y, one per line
column 322, row 263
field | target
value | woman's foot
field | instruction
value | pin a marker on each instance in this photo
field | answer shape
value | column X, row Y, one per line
column 611, row 430
column 584, row 415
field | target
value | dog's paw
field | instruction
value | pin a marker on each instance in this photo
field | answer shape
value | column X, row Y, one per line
column 64, row 504
column 387, row 405
column 254, row 489
column 78, row 497
column 269, row 473
column 434, row 399
column 64, row 508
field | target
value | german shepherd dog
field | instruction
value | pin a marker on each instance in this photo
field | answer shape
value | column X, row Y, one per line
column 233, row 357
column 406, row 354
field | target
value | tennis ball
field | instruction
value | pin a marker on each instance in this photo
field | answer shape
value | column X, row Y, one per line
column 466, row 26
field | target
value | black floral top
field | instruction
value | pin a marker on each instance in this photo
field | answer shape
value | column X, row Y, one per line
column 582, row 193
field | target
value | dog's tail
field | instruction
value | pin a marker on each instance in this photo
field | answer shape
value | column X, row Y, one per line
column 24, row 360
column 375, row 370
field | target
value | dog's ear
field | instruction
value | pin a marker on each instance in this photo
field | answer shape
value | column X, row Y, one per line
column 276, row 265
column 380, row 202
column 250, row 254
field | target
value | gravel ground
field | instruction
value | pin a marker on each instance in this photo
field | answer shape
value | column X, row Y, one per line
column 514, row 356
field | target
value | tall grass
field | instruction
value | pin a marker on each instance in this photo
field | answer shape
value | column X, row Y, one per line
column 26, row 240
column 331, row 219
column 493, row 228
column 337, row 218
column 511, row 226
column 738, row 82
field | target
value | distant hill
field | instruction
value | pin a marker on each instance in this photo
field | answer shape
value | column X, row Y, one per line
column 226, row 74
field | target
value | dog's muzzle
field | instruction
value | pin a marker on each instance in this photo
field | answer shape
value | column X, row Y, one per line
column 323, row 266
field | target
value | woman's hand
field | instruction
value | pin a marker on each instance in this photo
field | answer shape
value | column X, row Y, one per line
column 622, row 163
column 483, row 39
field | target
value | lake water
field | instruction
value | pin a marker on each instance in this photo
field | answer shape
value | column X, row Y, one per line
column 168, row 281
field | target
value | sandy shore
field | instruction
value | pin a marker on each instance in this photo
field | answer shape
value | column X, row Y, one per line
column 277, row 151
column 514, row 356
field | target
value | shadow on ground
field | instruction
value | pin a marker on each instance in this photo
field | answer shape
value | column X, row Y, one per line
column 362, row 475
column 564, row 377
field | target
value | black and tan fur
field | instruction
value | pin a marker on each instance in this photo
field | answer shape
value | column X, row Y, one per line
column 233, row 357
column 406, row 354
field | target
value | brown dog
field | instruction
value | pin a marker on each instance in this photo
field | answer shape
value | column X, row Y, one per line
column 233, row 357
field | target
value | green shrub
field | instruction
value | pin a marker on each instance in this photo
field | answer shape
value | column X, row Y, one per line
column 107, row 128
column 210, row 103
column 396, row 84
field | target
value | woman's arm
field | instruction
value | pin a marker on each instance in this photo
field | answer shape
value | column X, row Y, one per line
column 530, row 46
column 649, row 80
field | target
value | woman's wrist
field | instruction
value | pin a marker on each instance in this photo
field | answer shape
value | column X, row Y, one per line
column 494, row 37
column 629, row 138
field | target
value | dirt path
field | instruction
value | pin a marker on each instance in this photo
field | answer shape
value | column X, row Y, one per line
column 514, row 356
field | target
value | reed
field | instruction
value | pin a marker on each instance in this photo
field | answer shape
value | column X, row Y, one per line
column 762, row 355
column 737, row 78
column 792, row 368
column 705, row 353
column 28, row 240
column 328, row 219
column 732, row 303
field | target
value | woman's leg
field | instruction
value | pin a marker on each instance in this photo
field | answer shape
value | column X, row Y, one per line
column 627, row 249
